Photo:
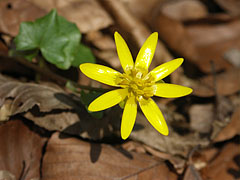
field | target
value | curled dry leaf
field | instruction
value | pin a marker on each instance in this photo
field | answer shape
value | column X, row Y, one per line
column 133, row 28
column 53, row 109
column 175, row 143
column 184, row 10
column 201, row 117
column 20, row 152
column 201, row 41
column 141, row 8
column 232, row 129
column 227, row 83
column 26, row 95
column 225, row 165
column 231, row 6
column 13, row 12
column 70, row 158
column 87, row 14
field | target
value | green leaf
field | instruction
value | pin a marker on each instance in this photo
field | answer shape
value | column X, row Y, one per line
column 87, row 98
column 83, row 55
column 57, row 39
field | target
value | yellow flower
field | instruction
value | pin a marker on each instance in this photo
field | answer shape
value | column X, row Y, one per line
column 136, row 85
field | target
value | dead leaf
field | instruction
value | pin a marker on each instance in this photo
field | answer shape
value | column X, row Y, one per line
column 225, row 165
column 201, row 117
column 71, row 158
column 6, row 175
column 27, row 95
column 13, row 12
column 191, row 173
column 227, row 83
column 231, row 6
column 101, row 41
column 133, row 30
column 21, row 151
column 201, row 41
column 142, row 9
column 175, row 143
column 174, row 34
column 87, row 14
column 3, row 48
column 232, row 129
column 51, row 108
column 184, row 10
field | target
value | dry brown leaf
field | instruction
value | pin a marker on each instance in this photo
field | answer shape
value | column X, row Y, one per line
column 3, row 48
column 191, row 173
column 53, row 109
column 184, row 10
column 21, row 150
column 201, row 42
column 141, row 8
column 173, row 33
column 226, row 165
column 175, row 143
column 69, row 158
column 27, row 95
column 232, row 129
column 201, row 117
column 133, row 30
column 87, row 14
column 227, row 83
column 13, row 12
column 231, row 6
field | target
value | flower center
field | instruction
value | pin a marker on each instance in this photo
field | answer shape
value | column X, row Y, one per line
column 139, row 84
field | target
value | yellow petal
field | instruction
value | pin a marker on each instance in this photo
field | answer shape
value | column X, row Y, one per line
column 124, row 53
column 154, row 115
column 171, row 90
column 145, row 55
column 100, row 73
column 129, row 117
column 108, row 100
column 165, row 69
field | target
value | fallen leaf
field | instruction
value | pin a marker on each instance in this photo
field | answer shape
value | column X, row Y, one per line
column 225, row 165
column 6, row 175
column 141, row 8
column 232, row 129
column 227, row 83
column 175, row 143
column 13, row 12
column 21, row 151
column 71, row 158
column 201, row 117
column 87, row 14
column 132, row 28
column 191, row 173
column 199, row 41
column 53, row 109
column 27, row 95
column 184, row 10
column 232, row 6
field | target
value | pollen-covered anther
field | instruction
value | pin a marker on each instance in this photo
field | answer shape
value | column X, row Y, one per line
column 137, row 84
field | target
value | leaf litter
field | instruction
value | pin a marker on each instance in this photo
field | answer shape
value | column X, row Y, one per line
column 204, row 129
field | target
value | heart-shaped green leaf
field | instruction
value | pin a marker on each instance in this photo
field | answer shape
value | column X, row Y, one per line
column 57, row 39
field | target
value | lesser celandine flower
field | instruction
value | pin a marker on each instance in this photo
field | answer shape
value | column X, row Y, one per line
column 136, row 84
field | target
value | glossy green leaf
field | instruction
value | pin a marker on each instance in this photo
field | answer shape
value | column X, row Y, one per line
column 57, row 39
column 83, row 55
